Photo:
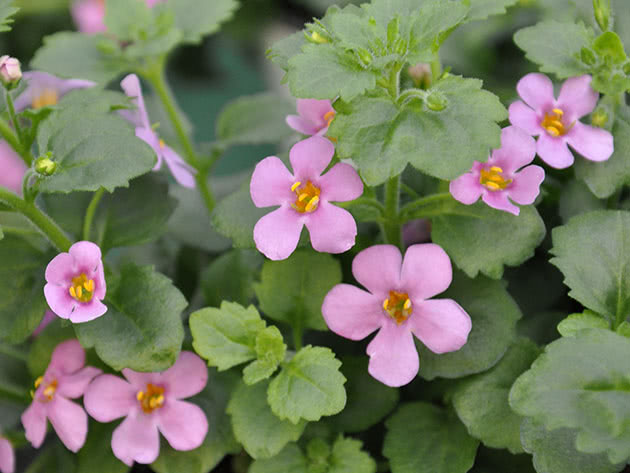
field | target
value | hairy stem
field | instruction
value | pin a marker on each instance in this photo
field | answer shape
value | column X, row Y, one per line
column 90, row 212
column 391, row 229
column 10, row 137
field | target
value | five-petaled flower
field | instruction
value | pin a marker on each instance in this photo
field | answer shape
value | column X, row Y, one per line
column 556, row 122
column 44, row 90
column 313, row 118
column 304, row 198
column 500, row 178
column 13, row 168
column 182, row 172
column 76, row 283
column 7, row 456
column 151, row 403
column 396, row 303
column 65, row 378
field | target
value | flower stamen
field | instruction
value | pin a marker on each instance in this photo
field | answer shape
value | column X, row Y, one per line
column 82, row 288
column 493, row 179
column 329, row 117
column 398, row 306
column 49, row 391
column 151, row 399
column 47, row 98
column 307, row 197
column 554, row 124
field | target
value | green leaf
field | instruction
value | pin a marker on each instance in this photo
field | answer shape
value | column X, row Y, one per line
column 96, row 455
column 609, row 46
column 556, row 46
column 293, row 290
column 142, row 328
column 581, row 383
column 348, row 457
column 290, row 459
column 624, row 329
column 470, row 237
column 494, row 315
column 362, row 411
column 575, row 323
column 196, row 19
column 382, row 138
column 576, row 199
column 286, row 48
column 254, row 119
column 7, row 10
column 226, row 337
column 482, row 402
column 75, row 55
column 270, row 351
column 482, row 9
column 422, row 438
column 261, row 433
column 125, row 19
column 591, row 251
column 308, row 387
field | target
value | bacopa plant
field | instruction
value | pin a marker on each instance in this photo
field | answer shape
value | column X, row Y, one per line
column 430, row 275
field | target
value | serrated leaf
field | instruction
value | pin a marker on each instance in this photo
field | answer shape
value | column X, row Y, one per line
column 290, row 459
column 348, row 457
column 293, row 290
column 270, row 351
column 308, row 387
column 469, row 237
column 261, row 433
column 197, row 19
column 422, row 438
column 125, row 19
column 142, row 328
column 574, row 323
column 482, row 9
column 7, row 10
column 482, row 402
column 576, row 199
column 281, row 51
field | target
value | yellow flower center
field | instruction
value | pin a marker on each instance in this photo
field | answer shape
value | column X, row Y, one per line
column 46, row 98
column 329, row 117
column 307, row 197
column 398, row 306
column 82, row 288
column 554, row 124
column 151, row 399
column 49, row 391
column 493, row 179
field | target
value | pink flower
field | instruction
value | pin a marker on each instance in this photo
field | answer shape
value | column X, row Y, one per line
column 500, row 178
column 556, row 121
column 10, row 69
column 314, row 117
column 89, row 15
column 13, row 168
column 182, row 172
column 76, row 283
column 397, row 306
column 49, row 317
column 150, row 403
column 65, row 378
column 304, row 199
column 45, row 90
column 7, row 456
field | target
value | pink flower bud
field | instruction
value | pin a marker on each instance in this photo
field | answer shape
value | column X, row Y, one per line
column 10, row 70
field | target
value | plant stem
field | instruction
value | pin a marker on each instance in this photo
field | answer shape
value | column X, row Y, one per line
column 42, row 221
column 90, row 212
column 10, row 137
column 391, row 229
column 14, row 118
column 204, row 189
column 297, row 336
column 427, row 207
column 436, row 67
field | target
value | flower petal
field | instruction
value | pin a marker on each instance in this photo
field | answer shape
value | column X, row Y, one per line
column 525, row 118
column 499, row 200
column 536, row 90
column 332, row 229
column 59, row 300
column 131, row 86
column 466, row 188
column 441, row 324
column 109, row 397
column 34, row 423
column 377, row 268
column 517, row 149
column 314, row 110
column 87, row 256
column 591, row 142
column 151, row 138
column 187, row 377
column 69, row 421
column 137, row 439
column 271, row 183
column 181, row 171
column 67, row 358
column 310, row 157
column 426, row 271
column 277, row 233
column 577, row 98
column 7, row 456
column 138, row 380
column 393, row 355
column 89, row 15
column 13, row 168
column 352, row 312
column 184, row 425
column 341, row 184
column 301, row 125
column 61, row 270
column 526, row 185
column 88, row 311
column 73, row 386
column 554, row 151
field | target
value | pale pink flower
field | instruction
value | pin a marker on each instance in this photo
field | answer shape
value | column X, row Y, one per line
column 151, row 403
column 65, row 378
column 10, row 69
column 7, row 456
column 76, row 283
column 499, row 178
column 556, row 122
column 396, row 304
column 44, row 90
column 49, row 317
column 314, row 117
column 182, row 172
column 13, row 168
column 304, row 198
column 89, row 15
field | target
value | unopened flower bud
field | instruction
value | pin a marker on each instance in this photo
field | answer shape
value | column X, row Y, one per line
column 45, row 166
column 599, row 118
column 601, row 8
column 420, row 75
column 10, row 70
column 365, row 56
column 436, row 102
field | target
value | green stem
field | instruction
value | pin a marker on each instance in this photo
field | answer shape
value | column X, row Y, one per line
column 436, row 67
column 412, row 94
column 204, row 189
column 297, row 337
column 427, row 207
column 410, row 191
column 393, row 85
column 10, row 137
column 90, row 212
column 42, row 221
column 14, row 118
column 368, row 201
column 391, row 229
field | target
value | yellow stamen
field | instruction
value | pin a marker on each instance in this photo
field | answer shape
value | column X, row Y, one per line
column 151, row 399
column 558, row 111
column 47, row 98
column 89, row 285
column 73, row 293
column 553, row 123
column 38, row 382
column 82, row 288
column 295, row 186
column 329, row 117
column 302, row 197
column 312, row 205
column 398, row 306
column 385, row 304
column 493, row 179
column 162, row 144
column 307, row 197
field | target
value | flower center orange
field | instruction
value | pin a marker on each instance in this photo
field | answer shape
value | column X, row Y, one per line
column 49, row 391
column 398, row 306
column 151, row 399
column 46, row 98
column 493, row 179
column 82, row 288
column 553, row 123
column 307, row 197
column 329, row 117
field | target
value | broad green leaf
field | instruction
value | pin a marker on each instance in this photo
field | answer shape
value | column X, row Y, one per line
column 261, row 433
column 382, row 138
column 348, row 457
column 196, row 19
column 482, row 402
column 576, row 199
column 482, row 9
column 126, row 19
column 96, row 455
column 556, row 46
column 254, row 119
column 555, row 452
column 581, row 383
column 14, row 384
column 575, row 323
column 470, row 237
column 290, row 459
column 362, row 411
column 142, row 328
column 494, row 315
column 7, row 10
column 592, row 253
column 226, row 337
column 292, row 291
column 270, row 352
column 423, row 438
column 308, row 387
column 281, row 51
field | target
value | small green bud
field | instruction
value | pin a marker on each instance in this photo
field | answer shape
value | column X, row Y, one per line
column 45, row 166
column 316, row 37
column 365, row 56
column 400, row 47
column 599, row 118
column 393, row 30
column 436, row 101
column 587, row 56
column 601, row 9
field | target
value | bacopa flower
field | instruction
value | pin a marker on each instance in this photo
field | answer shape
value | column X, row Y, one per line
column 44, row 90
column 10, row 69
column 499, row 180
column 13, row 168
column 151, row 403
column 396, row 304
column 313, row 118
column 304, row 198
column 556, row 122
column 182, row 172
column 89, row 15
column 7, row 456
column 76, row 283
column 65, row 378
